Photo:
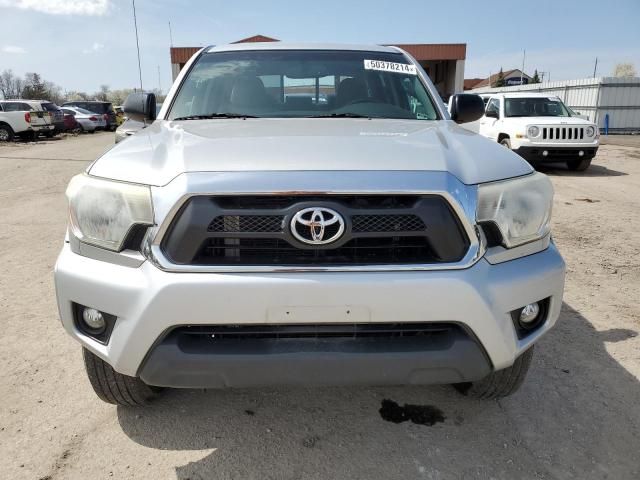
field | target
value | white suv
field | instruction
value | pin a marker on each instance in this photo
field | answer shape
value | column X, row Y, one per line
column 25, row 118
column 307, row 214
column 540, row 128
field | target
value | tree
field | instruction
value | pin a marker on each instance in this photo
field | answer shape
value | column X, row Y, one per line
column 103, row 94
column 500, row 80
column 536, row 77
column 34, row 87
column 10, row 85
column 624, row 70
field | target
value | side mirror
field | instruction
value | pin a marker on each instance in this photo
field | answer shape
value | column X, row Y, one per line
column 140, row 107
column 492, row 114
column 466, row 107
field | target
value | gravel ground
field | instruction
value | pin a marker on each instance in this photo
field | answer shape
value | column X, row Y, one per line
column 577, row 416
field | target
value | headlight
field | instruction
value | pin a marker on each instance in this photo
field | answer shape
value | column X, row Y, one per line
column 533, row 131
column 590, row 131
column 521, row 208
column 102, row 212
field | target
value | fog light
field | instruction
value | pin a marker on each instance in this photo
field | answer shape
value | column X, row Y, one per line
column 93, row 319
column 545, row 153
column 529, row 314
column 581, row 153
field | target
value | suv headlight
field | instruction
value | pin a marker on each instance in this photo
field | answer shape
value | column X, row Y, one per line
column 590, row 131
column 102, row 212
column 533, row 131
column 521, row 208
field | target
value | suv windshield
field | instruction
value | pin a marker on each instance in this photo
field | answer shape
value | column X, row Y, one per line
column 535, row 107
column 303, row 83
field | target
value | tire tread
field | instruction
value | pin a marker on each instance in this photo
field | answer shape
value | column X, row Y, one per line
column 113, row 387
column 501, row 383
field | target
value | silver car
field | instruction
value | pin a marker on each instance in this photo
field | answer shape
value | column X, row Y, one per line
column 87, row 120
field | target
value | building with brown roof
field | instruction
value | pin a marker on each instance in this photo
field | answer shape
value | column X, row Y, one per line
column 443, row 62
column 511, row 77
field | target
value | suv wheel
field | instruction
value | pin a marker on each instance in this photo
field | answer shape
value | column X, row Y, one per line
column 579, row 165
column 505, row 142
column 6, row 133
column 113, row 387
column 501, row 383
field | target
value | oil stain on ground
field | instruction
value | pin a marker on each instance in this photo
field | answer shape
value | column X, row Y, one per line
column 419, row 414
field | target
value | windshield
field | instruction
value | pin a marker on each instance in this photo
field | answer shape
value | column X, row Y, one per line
column 535, row 107
column 303, row 83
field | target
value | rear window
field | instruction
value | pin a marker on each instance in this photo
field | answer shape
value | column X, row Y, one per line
column 50, row 107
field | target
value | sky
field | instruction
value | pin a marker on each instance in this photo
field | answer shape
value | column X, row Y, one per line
column 82, row 44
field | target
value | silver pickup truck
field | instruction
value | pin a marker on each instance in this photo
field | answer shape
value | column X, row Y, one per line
column 307, row 214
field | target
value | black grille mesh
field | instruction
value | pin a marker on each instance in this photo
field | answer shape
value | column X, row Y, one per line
column 247, row 223
column 387, row 223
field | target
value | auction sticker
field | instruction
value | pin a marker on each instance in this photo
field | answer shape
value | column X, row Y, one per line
column 390, row 67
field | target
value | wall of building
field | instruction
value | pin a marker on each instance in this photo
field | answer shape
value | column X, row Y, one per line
column 595, row 97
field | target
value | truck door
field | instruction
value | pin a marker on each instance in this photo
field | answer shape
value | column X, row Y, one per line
column 489, row 124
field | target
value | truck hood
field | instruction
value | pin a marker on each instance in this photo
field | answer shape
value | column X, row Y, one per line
column 164, row 150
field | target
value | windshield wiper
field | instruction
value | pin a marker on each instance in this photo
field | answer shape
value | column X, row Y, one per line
column 340, row 115
column 215, row 115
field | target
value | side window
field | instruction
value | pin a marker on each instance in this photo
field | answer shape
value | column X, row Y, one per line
column 25, row 107
column 494, row 106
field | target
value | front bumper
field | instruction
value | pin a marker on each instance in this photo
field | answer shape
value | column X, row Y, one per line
column 556, row 153
column 149, row 302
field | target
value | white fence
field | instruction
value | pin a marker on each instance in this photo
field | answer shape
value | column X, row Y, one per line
column 596, row 97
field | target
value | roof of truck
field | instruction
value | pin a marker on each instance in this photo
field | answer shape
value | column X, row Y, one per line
column 521, row 95
column 300, row 46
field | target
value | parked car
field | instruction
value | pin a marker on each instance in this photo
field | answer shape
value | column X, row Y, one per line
column 103, row 108
column 540, row 128
column 25, row 118
column 130, row 127
column 56, row 115
column 237, row 242
column 70, row 123
column 88, row 121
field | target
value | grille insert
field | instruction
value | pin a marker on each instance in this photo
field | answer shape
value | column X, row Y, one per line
column 341, row 330
column 358, row 251
column 247, row 223
column 562, row 133
column 387, row 223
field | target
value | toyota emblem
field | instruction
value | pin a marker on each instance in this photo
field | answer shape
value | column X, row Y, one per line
column 317, row 225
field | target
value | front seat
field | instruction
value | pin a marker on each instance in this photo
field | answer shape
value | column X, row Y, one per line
column 351, row 90
column 249, row 93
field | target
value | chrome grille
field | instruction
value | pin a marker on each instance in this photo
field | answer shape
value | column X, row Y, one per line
column 256, row 231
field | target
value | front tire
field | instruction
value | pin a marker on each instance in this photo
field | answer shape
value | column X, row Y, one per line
column 579, row 165
column 501, row 383
column 116, row 388
column 505, row 142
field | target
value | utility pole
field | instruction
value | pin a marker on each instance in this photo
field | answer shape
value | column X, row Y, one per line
column 170, row 35
column 595, row 68
column 135, row 23
column 159, row 81
column 524, row 54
